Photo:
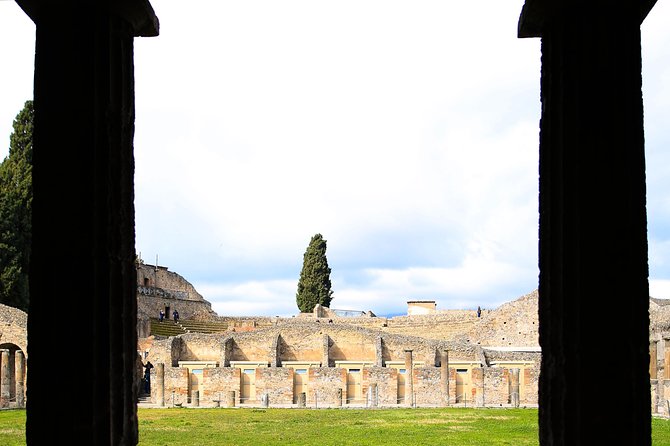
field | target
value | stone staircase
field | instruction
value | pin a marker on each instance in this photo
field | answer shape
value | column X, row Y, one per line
column 166, row 328
column 169, row 328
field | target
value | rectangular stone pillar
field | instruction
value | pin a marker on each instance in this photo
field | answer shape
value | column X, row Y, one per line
column 159, row 385
column 478, row 396
column 653, row 359
column 379, row 352
column 83, row 221
column 20, row 374
column 5, row 378
column 409, row 378
column 274, row 352
column 227, row 352
column 444, row 376
column 514, row 395
column 593, row 223
column 325, row 360
column 666, row 359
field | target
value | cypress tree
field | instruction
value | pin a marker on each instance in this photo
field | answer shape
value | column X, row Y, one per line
column 314, row 284
column 16, row 196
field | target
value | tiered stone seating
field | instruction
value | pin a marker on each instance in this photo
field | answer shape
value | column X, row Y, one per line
column 192, row 326
column 166, row 328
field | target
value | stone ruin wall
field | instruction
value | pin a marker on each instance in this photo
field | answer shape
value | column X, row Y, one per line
column 13, row 357
column 14, row 328
column 327, row 385
column 158, row 288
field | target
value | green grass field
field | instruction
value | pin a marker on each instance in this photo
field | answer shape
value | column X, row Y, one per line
column 204, row 427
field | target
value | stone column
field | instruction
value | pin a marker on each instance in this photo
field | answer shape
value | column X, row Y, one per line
column 409, row 378
column 160, row 384
column 593, row 225
column 325, row 361
column 666, row 361
column 373, row 396
column 230, row 398
column 84, row 75
column 195, row 398
column 5, row 377
column 514, row 395
column 444, row 376
column 20, row 373
column 379, row 352
column 653, row 360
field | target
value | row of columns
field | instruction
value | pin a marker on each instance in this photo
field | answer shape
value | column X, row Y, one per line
column 660, row 381
column 6, row 378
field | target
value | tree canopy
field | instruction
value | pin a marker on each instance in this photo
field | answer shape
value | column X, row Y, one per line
column 314, row 284
column 16, row 196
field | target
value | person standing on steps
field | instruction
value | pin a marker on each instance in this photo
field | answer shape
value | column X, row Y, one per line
column 175, row 316
column 161, row 316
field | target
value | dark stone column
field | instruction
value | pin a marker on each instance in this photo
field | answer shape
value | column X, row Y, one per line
column 5, row 378
column 20, row 374
column 593, row 239
column 83, row 219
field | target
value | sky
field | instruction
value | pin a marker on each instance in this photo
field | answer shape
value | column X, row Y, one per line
column 406, row 133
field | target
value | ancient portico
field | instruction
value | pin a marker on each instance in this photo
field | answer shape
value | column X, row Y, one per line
column 13, row 347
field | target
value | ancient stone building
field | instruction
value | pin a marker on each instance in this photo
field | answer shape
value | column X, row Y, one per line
column 161, row 290
column 592, row 226
column 13, row 355
column 430, row 358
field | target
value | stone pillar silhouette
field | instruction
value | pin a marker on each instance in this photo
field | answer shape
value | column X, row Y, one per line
column 20, row 374
column 84, row 75
column 5, row 378
column 593, row 226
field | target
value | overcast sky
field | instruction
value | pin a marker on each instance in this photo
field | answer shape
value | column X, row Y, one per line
column 404, row 132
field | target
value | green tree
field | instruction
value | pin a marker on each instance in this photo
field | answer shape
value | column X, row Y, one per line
column 314, row 284
column 16, row 196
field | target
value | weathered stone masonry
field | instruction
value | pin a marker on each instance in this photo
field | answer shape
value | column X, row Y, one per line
column 333, row 365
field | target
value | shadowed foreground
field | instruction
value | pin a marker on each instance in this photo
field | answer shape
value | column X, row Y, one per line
column 204, row 427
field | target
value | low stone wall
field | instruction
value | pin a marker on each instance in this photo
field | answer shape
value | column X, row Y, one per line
column 327, row 386
column 276, row 383
column 217, row 383
column 386, row 380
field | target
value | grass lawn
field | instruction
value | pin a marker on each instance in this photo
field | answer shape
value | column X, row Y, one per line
column 204, row 427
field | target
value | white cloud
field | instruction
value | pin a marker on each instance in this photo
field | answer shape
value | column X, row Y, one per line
column 407, row 134
column 17, row 52
column 659, row 289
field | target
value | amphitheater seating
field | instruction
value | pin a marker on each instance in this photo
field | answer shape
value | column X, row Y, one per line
column 169, row 328
column 191, row 326
column 166, row 328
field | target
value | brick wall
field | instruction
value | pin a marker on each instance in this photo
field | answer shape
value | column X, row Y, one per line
column 324, row 383
column 277, row 383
